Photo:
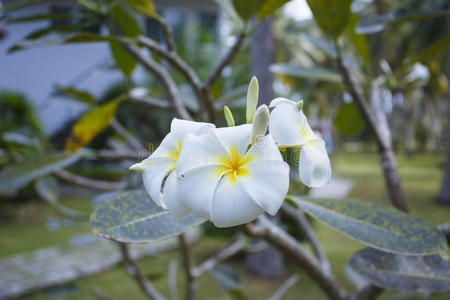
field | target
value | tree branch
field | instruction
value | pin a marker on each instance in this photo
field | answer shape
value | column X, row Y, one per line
column 150, row 101
column 107, row 154
column 164, row 79
column 284, row 288
column 383, row 141
column 291, row 248
column 230, row 250
column 229, row 56
column 300, row 218
column 134, row 271
column 88, row 182
column 129, row 138
column 368, row 292
column 188, row 264
column 168, row 36
column 177, row 62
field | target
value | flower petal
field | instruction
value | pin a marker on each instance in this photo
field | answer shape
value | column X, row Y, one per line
column 277, row 101
column 153, row 177
column 232, row 205
column 196, row 189
column 181, row 128
column 314, row 165
column 198, row 152
column 236, row 137
column 267, row 179
column 285, row 124
column 171, row 198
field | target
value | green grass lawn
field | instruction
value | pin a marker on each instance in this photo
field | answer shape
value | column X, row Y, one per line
column 25, row 230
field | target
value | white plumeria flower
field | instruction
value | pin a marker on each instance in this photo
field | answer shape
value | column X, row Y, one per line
column 289, row 128
column 159, row 177
column 225, row 179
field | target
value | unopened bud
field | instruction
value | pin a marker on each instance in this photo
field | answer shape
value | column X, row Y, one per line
column 260, row 123
column 228, row 116
column 252, row 99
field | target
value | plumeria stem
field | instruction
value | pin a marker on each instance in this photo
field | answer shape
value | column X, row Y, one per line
column 134, row 271
column 291, row 248
column 188, row 263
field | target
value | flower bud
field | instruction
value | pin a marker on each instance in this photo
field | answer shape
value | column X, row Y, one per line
column 252, row 99
column 228, row 116
column 260, row 123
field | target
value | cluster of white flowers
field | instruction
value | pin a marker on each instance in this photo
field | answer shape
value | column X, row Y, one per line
column 232, row 175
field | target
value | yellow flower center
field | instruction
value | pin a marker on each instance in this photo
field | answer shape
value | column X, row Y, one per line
column 233, row 166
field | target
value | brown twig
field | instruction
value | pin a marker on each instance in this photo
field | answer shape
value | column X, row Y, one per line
column 188, row 263
column 134, row 271
column 163, row 78
column 128, row 137
column 227, row 252
column 107, row 154
column 368, row 292
column 305, row 227
column 284, row 288
column 88, row 182
column 229, row 56
column 291, row 248
column 191, row 76
column 168, row 36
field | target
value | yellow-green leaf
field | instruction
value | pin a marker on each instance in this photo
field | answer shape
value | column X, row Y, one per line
column 91, row 124
column 145, row 7
column 246, row 9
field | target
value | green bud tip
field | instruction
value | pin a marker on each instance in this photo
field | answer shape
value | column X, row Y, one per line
column 228, row 116
column 300, row 105
column 252, row 99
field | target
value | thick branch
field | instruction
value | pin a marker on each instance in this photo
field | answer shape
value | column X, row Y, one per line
column 188, row 264
column 129, row 138
column 284, row 288
column 384, row 144
column 227, row 252
column 176, row 61
column 88, row 182
column 229, row 56
column 134, row 271
column 163, row 78
column 172, row 280
column 291, row 248
column 300, row 218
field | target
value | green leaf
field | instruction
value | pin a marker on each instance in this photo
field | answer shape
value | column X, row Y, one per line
column 269, row 7
column 429, row 52
column 19, row 174
column 359, row 41
column 132, row 217
column 91, row 124
column 419, row 274
column 332, row 16
column 312, row 73
column 378, row 23
column 347, row 120
column 246, row 9
column 124, row 61
column 87, row 37
column 125, row 22
column 377, row 226
column 74, row 93
column 145, row 7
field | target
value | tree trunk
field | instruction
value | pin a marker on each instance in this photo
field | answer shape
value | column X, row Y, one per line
column 267, row 263
column 444, row 194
